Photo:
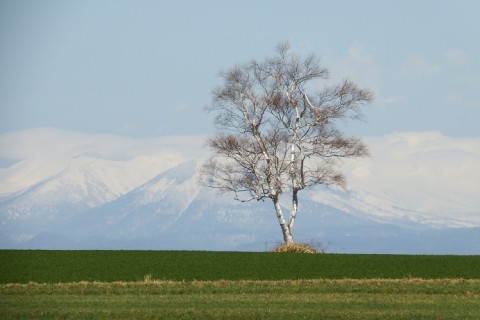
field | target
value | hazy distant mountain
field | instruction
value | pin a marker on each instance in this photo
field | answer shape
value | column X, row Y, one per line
column 116, row 193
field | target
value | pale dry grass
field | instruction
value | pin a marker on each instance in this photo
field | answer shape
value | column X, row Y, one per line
column 148, row 281
column 295, row 247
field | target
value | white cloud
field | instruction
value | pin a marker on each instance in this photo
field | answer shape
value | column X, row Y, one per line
column 360, row 66
column 357, row 64
column 55, row 143
column 454, row 99
column 419, row 66
column 428, row 174
column 457, row 57
column 359, row 54
column 43, row 153
column 387, row 101
column 460, row 102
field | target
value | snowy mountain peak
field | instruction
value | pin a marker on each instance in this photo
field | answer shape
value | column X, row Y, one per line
column 107, row 186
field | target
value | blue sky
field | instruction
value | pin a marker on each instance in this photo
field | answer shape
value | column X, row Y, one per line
column 146, row 68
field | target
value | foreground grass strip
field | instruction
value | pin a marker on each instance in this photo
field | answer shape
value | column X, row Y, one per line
column 107, row 266
column 300, row 299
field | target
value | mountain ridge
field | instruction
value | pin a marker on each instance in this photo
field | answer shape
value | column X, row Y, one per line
column 150, row 198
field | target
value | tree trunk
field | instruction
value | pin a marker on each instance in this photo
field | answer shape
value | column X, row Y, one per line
column 287, row 234
column 293, row 210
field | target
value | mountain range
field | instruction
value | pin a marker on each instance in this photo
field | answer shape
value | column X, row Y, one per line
column 69, row 190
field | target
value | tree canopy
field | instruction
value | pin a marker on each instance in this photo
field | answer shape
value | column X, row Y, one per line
column 277, row 130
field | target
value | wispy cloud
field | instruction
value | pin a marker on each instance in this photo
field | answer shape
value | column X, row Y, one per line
column 425, row 172
column 419, row 66
column 357, row 64
column 387, row 101
column 459, row 101
column 358, row 53
column 457, row 57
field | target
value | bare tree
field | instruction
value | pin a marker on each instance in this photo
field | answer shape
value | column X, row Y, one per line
column 275, row 136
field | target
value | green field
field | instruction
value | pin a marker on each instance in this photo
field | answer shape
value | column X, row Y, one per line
column 108, row 266
column 294, row 299
column 229, row 285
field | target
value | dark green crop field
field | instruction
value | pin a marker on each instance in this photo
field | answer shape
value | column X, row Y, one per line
column 108, row 266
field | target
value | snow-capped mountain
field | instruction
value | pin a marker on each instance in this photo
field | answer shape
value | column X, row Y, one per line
column 112, row 192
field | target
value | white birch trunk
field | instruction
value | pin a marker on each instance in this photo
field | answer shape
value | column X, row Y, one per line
column 293, row 210
column 287, row 234
column 294, row 173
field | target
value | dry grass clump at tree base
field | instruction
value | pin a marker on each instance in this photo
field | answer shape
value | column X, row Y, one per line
column 295, row 247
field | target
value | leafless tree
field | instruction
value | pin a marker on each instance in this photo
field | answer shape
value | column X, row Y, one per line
column 275, row 136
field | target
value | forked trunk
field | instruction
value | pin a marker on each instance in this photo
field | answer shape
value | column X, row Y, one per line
column 287, row 233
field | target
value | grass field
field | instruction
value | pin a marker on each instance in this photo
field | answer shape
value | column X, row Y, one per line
column 295, row 299
column 108, row 266
column 226, row 285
